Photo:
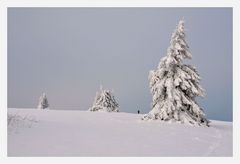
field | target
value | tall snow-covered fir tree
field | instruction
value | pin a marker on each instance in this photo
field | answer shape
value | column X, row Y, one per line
column 175, row 85
column 104, row 101
column 43, row 102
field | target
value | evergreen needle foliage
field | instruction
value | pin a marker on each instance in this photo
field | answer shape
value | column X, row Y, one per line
column 175, row 85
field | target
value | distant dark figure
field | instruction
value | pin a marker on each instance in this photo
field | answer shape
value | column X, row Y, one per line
column 138, row 111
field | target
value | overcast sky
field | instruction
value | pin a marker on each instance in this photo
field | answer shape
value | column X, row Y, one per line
column 69, row 52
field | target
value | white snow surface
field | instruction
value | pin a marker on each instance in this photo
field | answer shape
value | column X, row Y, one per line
column 83, row 133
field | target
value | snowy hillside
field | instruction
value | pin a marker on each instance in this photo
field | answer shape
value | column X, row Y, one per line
column 33, row 132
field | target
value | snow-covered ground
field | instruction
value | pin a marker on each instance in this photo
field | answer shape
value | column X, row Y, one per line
column 33, row 132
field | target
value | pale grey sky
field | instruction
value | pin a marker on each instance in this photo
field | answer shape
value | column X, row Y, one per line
column 69, row 52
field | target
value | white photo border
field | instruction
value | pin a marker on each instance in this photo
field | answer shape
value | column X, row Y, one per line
column 4, row 4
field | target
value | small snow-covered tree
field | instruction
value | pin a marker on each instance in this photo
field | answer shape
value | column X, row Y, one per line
column 43, row 102
column 175, row 85
column 104, row 101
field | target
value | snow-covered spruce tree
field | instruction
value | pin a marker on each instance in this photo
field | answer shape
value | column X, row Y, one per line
column 43, row 102
column 175, row 85
column 104, row 101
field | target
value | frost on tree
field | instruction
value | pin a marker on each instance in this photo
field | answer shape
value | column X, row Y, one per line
column 104, row 101
column 43, row 102
column 175, row 85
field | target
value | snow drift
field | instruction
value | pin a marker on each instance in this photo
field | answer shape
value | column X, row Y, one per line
column 84, row 133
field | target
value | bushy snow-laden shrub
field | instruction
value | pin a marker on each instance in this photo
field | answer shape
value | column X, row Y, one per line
column 43, row 102
column 105, row 101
